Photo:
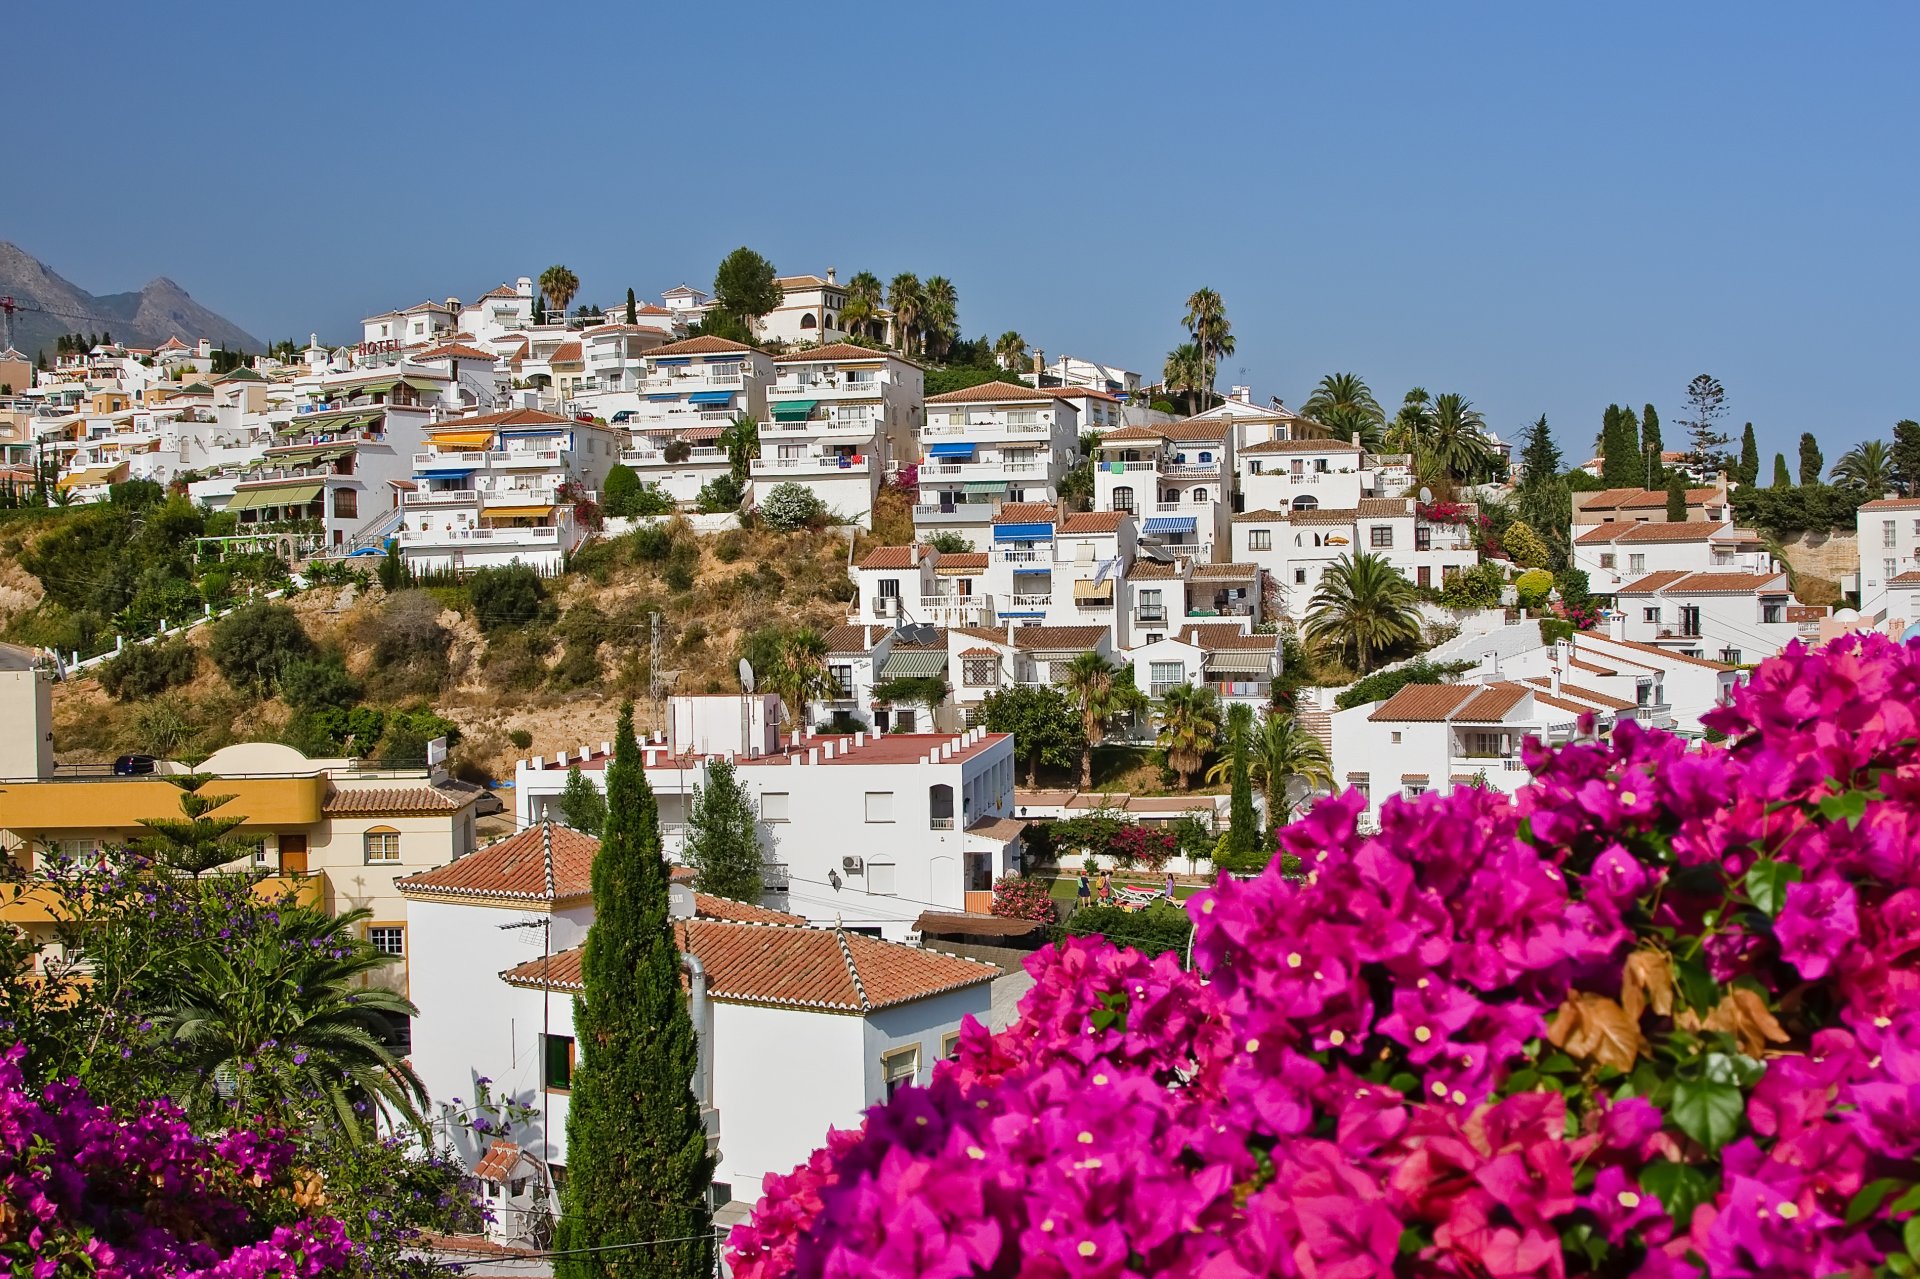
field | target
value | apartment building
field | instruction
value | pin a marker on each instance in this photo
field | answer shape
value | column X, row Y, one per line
column 701, row 381
column 845, row 388
column 499, row 312
column 875, row 830
column 1176, row 477
column 1098, row 411
column 1236, row 664
column 990, row 444
column 1295, row 547
column 1888, row 534
column 1303, row 475
column 1732, row 617
column 1666, row 689
column 1616, row 553
column 809, row 310
column 502, row 488
column 1071, row 373
column 421, row 325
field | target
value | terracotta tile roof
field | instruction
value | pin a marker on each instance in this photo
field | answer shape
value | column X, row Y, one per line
column 1303, row 446
column 1653, row 582
column 1263, row 516
column 504, row 291
column 1324, row 515
column 937, row 641
column 1042, row 798
column 1184, row 432
column 456, row 351
column 1561, row 703
column 1909, row 578
column 1685, row 583
column 836, row 352
column 815, row 968
column 1223, row 572
column 891, row 557
column 705, row 344
column 516, row 868
column 1653, row 650
column 599, row 329
column 1380, row 508
column 707, row 906
column 512, row 417
column 1079, row 393
column 1423, row 703
column 1144, row 570
column 799, row 281
column 1215, row 636
column 1607, row 700
column 373, row 801
column 499, row 1160
column 852, row 639
column 566, row 353
column 1603, row 534
column 989, row 393
column 1024, row 513
column 1049, row 638
column 1416, row 778
column 1092, row 521
column 960, row 563
column 979, row 652
column 1491, row 704
column 1891, row 504
column 1004, row 829
column 1171, row 803
column 1662, row 531
column 1590, row 667
column 1622, row 499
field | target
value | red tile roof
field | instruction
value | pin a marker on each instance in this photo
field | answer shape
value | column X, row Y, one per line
column 1662, row 531
column 1005, row 829
column 1684, row 583
column 834, row 352
column 1225, row 635
column 791, row 967
column 1652, row 649
column 1025, row 513
column 705, row 344
column 1491, row 704
column 499, row 1160
column 1423, row 703
column 1092, row 521
column 891, row 557
column 960, row 563
column 1184, row 432
column 1224, row 572
column 1653, row 582
column 1891, row 504
column 1909, row 578
column 1152, row 571
column 566, row 353
column 1304, row 446
column 456, row 351
column 989, row 393
column 1380, row 508
column 1607, row 700
column 707, row 906
column 1079, row 393
column 1621, row 499
column 517, row 868
column 504, row 291
column 854, row 639
column 373, row 801
column 512, row 417
column 1049, row 638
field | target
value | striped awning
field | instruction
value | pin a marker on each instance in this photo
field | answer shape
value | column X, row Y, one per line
column 914, row 663
column 470, row 441
column 516, row 512
column 1241, row 661
column 1168, row 524
column 280, row 495
column 986, row 486
column 311, row 455
column 1085, row 590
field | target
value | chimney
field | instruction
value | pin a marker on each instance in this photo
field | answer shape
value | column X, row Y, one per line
column 1244, row 394
column 1617, row 626
column 831, row 277
column 453, row 304
column 1356, row 439
column 866, row 636
column 1009, row 630
column 524, row 286
column 1038, row 357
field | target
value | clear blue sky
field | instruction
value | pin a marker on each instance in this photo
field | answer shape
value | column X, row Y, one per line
column 1543, row 207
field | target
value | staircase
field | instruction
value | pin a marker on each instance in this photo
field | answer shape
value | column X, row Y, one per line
column 373, row 535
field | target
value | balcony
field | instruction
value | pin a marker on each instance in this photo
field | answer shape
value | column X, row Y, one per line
column 657, row 457
column 818, row 463
column 441, row 497
column 826, row 388
column 695, row 380
column 959, row 513
column 1019, row 602
column 1022, row 557
column 978, row 470
column 1150, row 613
column 544, row 535
column 953, row 610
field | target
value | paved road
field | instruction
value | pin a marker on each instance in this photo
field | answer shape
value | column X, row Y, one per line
column 15, row 659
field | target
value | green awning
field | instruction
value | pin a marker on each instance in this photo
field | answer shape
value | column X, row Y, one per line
column 281, row 495
column 986, row 486
column 913, row 664
column 421, row 384
column 794, row 410
column 310, row 455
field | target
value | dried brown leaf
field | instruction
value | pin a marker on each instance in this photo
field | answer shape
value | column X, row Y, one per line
column 1743, row 1014
column 1598, row 1029
column 1646, row 981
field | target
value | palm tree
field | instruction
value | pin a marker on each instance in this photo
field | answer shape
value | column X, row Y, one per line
column 861, row 314
column 282, row 1013
column 1866, row 468
column 1347, row 394
column 1409, row 426
column 1011, row 350
column 1363, row 606
column 1189, row 725
column 1206, row 320
column 1456, row 439
column 1102, row 692
column 1283, row 750
column 800, row 672
column 942, row 314
column 559, row 284
column 741, row 439
column 1186, row 372
column 1350, row 422
column 909, row 304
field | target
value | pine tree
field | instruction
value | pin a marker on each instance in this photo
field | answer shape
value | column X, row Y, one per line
column 194, row 842
column 1906, row 455
column 582, row 806
column 723, row 841
column 1811, row 461
column 637, row 1163
column 1782, row 477
column 1539, row 455
column 1749, row 472
column 1706, row 405
column 1676, row 499
column 1243, row 827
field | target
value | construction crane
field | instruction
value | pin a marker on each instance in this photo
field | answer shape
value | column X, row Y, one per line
column 9, row 305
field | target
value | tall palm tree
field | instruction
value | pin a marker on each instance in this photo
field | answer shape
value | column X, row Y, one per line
column 1347, row 394
column 1186, row 372
column 800, row 672
column 1189, row 717
column 942, row 314
column 909, row 302
column 1102, row 692
column 1867, row 468
column 1011, row 350
column 1283, row 750
column 1363, row 606
column 281, row 1015
column 1408, row 430
column 1456, row 439
column 1351, row 422
column 861, row 314
column 1206, row 320
column 559, row 284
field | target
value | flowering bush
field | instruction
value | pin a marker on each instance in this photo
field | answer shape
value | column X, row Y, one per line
column 84, row 1192
column 1017, row 897
column 1656, row 1016
column 1137, row 845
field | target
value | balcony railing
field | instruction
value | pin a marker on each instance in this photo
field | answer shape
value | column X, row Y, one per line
column 656, row 457
column 1029, row 601
column 1022, row 557
column 1150, row 613
column 958, row 513
column 500, row 536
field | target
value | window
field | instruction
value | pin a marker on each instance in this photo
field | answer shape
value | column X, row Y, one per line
column 1382, row 534
column 1690, row 619
column 1608, row 559
column 346, row 504
column 1773, row 611
column 1363, row 783
column 1636, row 563
column 1650, row 615
column 388, row 939
column 1260, row 539
column 1396, row 738
column 1306, row 502
column 880, row 877
column 1422, row 538
column 899, row 1068
column 879, row 805
column 1198, row 496
column 842, row 677
column 1123, row 498
column 889, row 588
column 940, row 806
column 383, row 846
column 1165, row 675
column 1886, row 533
column 557, row 1062
column 950, row 1045
column 773, row 805
column 1023, row 417
column 980, row 672
column 1413, row 790
column 1299, row 577
column 1731, row 656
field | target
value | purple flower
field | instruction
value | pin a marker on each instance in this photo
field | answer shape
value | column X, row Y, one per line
column 1816, row 925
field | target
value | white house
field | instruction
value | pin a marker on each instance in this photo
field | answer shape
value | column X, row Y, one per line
column 1070, row 372
column 809, row 310
column 1176, row 477
column 1648, row 506
column 799, row 1029
column 1888, row 531
column 828, row 395
column 1736, row 618
column 701, row 381
column 1615, row 553
column 1664, row 689
column 500, row 311
column 1303, row 475
column 987, row 445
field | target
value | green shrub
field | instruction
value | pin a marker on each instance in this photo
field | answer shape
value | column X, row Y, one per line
column 583, row 628
column 405, row 743
column 148, row 670
column 1384, row 684
column 322, row 680
column 790, row 506
column 505, row 597
column 948, row 542
column 681, row 563
column 729, row 546
column 1476, row 587
column 521, row 739
column 252, row 645
column 651, row 543
column 410, row 646
column 719, row 495
column 1533, row 587
column 1160, row 928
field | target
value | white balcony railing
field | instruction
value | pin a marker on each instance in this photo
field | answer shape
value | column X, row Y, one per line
column 1030, row 601
column 1022, row 557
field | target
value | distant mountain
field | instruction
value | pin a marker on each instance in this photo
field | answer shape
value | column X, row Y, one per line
column 51, row 305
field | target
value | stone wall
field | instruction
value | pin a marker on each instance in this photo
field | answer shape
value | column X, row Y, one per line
column 1831, row 556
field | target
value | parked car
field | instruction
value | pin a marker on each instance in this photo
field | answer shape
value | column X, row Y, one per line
column 133, row 766
column 624, row 415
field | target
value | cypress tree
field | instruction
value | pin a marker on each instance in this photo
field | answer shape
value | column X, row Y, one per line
column 1749, row 472
column 1621, row 463
column 633, row 310
column 637, row 1162
column 1650, row 441
column 582, row 806
column 1811, row 461
column 1676, row 499
column 1782, row 477
column 1906, row 455
column 1243, row 827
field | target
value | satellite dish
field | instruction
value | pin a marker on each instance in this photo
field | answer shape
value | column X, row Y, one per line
column 1426, row 494
column 1847, row 615
column 746, row 675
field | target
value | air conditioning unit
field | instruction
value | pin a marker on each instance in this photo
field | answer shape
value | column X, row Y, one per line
column 852, row 865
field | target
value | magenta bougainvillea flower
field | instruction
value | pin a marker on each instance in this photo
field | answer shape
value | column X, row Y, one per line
column 1657, row 1015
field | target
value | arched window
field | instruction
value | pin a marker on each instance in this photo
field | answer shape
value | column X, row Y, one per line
column 382, row 845
column 1199, row 495
column 1123, row 498
column 1205, row 457
column 829, row 319
column 806, row 321
column 940, row 807
column 1305, row 502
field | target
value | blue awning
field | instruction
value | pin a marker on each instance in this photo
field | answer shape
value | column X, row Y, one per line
column 668, row 398
column 1169, row 524
column 676, row 360
column 1023, row 532
column 445, row 475
column 710, row 397
column 951, row 450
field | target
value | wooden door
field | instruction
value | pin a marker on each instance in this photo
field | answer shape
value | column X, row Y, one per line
column 293, row 854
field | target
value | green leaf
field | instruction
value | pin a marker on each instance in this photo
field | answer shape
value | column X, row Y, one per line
column 1767, row 882
column 1868, row 1201
column 1696, row 984
column 1910, row 1236
column 1558, row 1064
column 1898, row 1264
column 1849, row 805
column 1909, row 1202
column 1680, row 1187
column 1707, row 1110
column 1523, row 1081
column 1733, row 1068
